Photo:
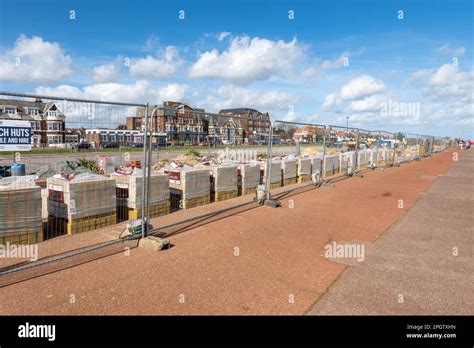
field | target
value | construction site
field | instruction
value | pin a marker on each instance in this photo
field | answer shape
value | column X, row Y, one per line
column 245, row 231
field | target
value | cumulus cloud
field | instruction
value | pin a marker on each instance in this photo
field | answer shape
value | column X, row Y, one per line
column 156, row 68
column 233, row 96
column 248, row 60
column 34, row 60
column 361, row 87
column 138, row 92
column 331, row 101
column 361, row 92
column 368, row 104
column 456, row 52
column 106, row 73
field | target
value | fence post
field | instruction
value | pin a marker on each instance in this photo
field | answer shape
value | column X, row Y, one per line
column 269, row 161
column 355, row 164
column 326, row 130
column 145, row 160
column 148, row 168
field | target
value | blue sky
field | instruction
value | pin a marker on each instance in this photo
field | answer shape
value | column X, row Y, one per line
column 334, row 59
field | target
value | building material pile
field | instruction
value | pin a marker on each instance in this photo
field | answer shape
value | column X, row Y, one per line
column 129, row 195
column 275, row 174
column 288, row 171
column 384, row 156
column 224, row 183
column 363, row 157
column 191, row 159
column 316, row 164
column 347, row 162
column 331, row 165
column 373, row 157
column 107, row 165
column 83, row 203
column 249, row 175
column 20, row 211
column 304, row 169
column 188, row 186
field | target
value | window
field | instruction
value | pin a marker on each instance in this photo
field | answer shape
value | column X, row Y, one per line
column 33, row 112
column 180, row 120
column 33, row 125
column 54, row 139
column 10, row 110
column 52, row 113
column 190, row 120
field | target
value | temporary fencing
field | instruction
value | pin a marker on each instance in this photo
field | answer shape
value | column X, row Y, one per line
column 94, row 164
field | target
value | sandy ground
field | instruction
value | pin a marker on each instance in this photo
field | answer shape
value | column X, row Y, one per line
column 258, row 261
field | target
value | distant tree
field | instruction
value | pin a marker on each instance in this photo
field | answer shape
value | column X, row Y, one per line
column 399, row 136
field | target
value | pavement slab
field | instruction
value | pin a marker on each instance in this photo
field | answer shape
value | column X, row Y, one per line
column 423, row 264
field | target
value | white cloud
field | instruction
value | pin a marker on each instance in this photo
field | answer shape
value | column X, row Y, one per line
column 361, row 92
column 34, row 60
column 106, row 73
column 140, row 91
column 361, row 87
column 372, row 103
column 232, row 96
column 156, row 68
column 248, row 60
column 325, row 65
column 419, row 75
column 455, row 52
column 331, row 101
column 173, row 92
column 223, row 35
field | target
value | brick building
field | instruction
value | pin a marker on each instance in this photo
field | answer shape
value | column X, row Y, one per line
column 255, row 124
column 182, row 123
column 47, row 120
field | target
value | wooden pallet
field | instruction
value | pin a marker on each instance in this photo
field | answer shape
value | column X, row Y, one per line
column 25, row 238
column 155, row 211
column 249, row 191
column 90, row 223
column 290, row 181
column 224, row 195
column 275, row 185
column 196, row 202
column 304, row 178
column 330, row 173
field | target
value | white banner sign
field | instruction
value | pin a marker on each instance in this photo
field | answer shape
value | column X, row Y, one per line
column 15, row 135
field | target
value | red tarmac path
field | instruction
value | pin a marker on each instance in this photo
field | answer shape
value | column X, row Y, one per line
column 280, row 267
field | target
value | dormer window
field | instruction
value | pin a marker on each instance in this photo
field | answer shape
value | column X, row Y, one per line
column 10, row 110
